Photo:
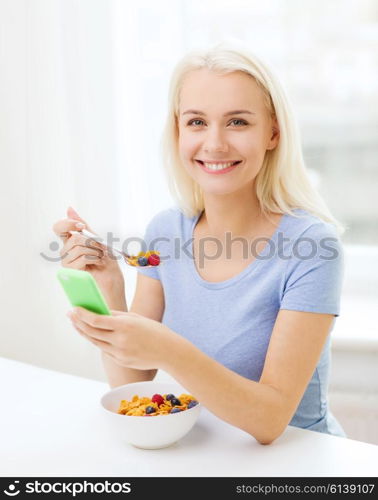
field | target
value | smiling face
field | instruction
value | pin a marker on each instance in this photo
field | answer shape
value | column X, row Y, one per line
column 223, row 119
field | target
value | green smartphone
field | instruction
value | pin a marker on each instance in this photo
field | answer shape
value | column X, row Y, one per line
column 82, row 290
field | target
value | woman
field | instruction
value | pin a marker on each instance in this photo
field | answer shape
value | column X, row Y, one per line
column 241, row 309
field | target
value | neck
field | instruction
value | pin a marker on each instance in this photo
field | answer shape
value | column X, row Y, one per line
column 238, row 213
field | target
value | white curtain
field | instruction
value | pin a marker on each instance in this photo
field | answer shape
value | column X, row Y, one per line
column 82, row 103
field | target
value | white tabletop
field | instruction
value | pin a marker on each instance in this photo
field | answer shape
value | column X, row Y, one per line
column 51, row 425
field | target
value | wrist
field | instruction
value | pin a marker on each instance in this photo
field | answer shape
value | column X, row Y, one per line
column 116, row 300
column 175, row 351
column 114, row 293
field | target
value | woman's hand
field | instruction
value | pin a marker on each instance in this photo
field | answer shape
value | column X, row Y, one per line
column 88, row 255
column 130, row 339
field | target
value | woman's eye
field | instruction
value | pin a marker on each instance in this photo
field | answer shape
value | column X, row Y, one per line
column 241, row 122
column 192, row 122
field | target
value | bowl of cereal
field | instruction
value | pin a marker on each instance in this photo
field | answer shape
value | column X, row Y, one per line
column 150, row 415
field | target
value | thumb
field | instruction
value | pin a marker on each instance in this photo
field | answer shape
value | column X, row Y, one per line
column 72, row 214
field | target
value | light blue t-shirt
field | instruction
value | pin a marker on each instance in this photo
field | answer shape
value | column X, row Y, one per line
column 300, row 269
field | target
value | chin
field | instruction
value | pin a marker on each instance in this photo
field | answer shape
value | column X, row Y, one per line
column 218, row 190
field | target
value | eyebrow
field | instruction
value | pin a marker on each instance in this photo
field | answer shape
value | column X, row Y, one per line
column 235, row 112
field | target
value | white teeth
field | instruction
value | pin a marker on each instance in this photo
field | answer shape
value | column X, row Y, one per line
column 218, row 166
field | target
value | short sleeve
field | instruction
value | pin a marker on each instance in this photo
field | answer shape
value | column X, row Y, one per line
column 150, row 242
column 314, row 272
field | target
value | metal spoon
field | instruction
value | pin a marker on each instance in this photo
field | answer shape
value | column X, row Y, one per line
column 129, row 259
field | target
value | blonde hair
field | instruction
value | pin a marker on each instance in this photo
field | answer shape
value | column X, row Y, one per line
column 283, row 183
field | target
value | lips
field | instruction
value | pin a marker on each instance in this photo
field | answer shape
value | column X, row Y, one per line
column 218, row 162
column 216, row 171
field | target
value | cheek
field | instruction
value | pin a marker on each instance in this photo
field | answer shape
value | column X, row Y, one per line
column 187, row 145
column 253, row 145
column 246, row 146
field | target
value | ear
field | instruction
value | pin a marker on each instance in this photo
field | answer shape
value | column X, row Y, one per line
column 275, row 135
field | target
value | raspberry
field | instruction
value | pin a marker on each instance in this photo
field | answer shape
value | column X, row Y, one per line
column 154, row 260
column 158, row 399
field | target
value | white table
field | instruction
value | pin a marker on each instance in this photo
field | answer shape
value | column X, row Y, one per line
column 51, row 425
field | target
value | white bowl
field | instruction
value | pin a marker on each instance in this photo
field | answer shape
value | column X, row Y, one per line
column 148, row 433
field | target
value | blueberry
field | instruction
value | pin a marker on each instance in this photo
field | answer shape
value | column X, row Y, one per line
column 192, row 403
column 150, row 409
column 143, row 261
column 169, row 397
column 175, row 402
column 175, row 410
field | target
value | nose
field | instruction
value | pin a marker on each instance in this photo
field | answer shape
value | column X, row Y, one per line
column 215, row 141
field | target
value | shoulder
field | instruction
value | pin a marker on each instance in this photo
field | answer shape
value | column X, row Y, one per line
column 311, row 238
column 170, row 220
column 302, row 223
column 315, row 265
column 163, row 216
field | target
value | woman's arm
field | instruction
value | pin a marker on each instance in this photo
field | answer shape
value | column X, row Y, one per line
column 152, row 308
column 264, row 408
